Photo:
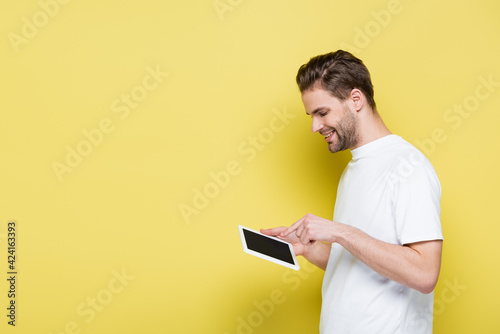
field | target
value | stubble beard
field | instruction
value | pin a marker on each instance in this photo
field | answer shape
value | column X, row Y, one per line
column 347, row 132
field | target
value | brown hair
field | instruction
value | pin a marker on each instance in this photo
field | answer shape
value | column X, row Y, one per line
column 337, row 72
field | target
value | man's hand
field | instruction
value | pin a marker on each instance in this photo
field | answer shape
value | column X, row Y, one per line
column 315, row 252
column 311, row 228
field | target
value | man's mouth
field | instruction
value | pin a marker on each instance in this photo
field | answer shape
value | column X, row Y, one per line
column 328, row 135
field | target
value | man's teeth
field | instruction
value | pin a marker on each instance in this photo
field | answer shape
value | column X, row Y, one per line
column 328, row 134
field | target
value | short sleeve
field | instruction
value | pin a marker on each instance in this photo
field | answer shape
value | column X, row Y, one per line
column 416, row 203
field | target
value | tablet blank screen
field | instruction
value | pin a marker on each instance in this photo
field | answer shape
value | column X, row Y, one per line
column 268, row 246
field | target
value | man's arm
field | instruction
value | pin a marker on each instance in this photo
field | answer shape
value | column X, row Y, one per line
column 415, row 265
column 317, row 253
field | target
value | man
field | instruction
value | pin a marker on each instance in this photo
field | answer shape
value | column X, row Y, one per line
column 382, row 251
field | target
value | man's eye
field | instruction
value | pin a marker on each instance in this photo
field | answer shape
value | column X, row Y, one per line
column 323, row 113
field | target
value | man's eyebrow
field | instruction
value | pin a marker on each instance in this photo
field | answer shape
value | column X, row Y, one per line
column 317, row 110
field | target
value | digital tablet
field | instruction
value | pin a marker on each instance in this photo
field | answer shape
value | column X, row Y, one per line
column 268, row 248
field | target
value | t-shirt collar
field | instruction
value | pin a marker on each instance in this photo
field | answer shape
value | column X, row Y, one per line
column 373, row 146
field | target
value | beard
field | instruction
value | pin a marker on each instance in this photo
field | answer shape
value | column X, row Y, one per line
column 346, row 131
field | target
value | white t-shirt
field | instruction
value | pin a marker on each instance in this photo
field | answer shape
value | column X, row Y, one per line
column 390, row 191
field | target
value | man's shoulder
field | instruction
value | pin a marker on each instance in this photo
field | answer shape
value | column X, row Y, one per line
column 404, row 162
column 401, row 149
column 410, row 165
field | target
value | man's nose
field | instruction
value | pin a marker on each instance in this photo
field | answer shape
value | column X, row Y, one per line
column 316, row 125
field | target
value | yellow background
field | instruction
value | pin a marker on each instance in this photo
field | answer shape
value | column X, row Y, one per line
column 231, row 67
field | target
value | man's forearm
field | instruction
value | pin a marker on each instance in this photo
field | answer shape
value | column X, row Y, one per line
column 318, row 254
column 408, row 265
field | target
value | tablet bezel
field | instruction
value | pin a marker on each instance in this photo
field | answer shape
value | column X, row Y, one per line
column 294, row 266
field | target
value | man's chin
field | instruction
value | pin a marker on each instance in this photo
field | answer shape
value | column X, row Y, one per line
column 335, row 147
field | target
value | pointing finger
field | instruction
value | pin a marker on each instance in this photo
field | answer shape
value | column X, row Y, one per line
column 273, row 231
column 293, row 228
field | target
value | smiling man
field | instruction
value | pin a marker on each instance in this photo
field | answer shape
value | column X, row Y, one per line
column 382, row 251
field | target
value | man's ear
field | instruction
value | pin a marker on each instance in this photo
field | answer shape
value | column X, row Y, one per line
column 357, row 98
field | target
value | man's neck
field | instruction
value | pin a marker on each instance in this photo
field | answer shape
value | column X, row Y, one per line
column 371, row 128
